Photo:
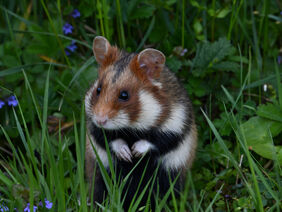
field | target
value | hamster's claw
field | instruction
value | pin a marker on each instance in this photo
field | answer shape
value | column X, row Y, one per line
column 124, row 154
column 121, row 150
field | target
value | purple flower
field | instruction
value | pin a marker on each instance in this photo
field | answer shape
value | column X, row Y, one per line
column 67, row 52
column 2, row 103
column 3, row 208
column 67, row 28
column 183, row 52
column 281, row 13
column 72, row 47
column 75, row 13
column 27, row 208
column 279, row 59
column 48, row 204
column 12, row 101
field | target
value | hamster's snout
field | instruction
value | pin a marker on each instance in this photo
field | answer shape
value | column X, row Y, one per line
column 101, row 120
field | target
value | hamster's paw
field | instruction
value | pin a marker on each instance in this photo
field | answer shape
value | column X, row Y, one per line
column 141, row 147
column 121, row 150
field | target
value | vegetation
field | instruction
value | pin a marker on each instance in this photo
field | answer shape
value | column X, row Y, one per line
column 227, row 54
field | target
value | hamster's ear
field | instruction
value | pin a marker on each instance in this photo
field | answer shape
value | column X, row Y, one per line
column 103, row 51
column 151, row 61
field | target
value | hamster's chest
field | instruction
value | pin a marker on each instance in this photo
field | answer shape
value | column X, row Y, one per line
column 128, row 135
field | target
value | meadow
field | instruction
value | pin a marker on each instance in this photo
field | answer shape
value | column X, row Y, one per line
column 228, row 55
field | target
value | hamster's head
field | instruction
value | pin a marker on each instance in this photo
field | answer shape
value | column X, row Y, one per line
column 126, row 93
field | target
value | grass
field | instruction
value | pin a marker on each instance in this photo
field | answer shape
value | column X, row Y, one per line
column 42, row 140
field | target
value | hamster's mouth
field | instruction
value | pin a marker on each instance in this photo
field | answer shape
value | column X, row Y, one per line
column 121, row 120
column 109, row 125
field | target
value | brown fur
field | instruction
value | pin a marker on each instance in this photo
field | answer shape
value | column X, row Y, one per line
column 120, row 71
column 110, row 104
column 111, row 56
column 138, row 72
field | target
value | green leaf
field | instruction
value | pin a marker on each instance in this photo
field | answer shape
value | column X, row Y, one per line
column 221, row 13
column 197, row 26
column 173, row 64
column 210, row 55
column 269, row 151
column 196, row 4
column 227, row 66
column 258, row 133
column 256, row 130
column 270, row 111
column 143, row 12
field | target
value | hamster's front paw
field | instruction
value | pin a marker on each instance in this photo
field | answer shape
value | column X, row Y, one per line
column 121, row 149
column 141, row 147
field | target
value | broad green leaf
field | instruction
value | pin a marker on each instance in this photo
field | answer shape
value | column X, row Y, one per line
column 143, row 12
column 227, row 66
column 221, row 13
column 269, row 151
column 211, row 54
column 196, row 4
column 270, row 111
column 256, row 131
column 197, row 26
column 173, row 63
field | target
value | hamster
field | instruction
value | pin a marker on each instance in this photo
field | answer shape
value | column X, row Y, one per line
column 145, row 112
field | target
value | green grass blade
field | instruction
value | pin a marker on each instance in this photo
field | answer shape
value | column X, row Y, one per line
column 55, row 31
column 229, row 154
column 80, row 167
column 148, row 32
column 209, row 208
column 16, row 69
column 44, row 118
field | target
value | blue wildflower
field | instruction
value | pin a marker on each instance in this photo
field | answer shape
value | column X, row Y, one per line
column 67, row 28
column 67, row 52
column 75, row 13
column 27, row 208
column 48, row 204
column 12, row 101
column 183, row 52
column 40, row 204
column 279, row 59
column 3, row 208
column 2, row 103
column 72, row 47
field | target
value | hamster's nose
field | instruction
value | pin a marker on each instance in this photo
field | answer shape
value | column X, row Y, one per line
column 101, row 120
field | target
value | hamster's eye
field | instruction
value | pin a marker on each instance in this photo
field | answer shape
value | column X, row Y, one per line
column 123, row 96
column 99, row 90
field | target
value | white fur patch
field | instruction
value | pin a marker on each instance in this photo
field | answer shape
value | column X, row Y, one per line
column 150, row 111
column 176, row 120
column 121, row 150
column 119, row 121
column 156, row 83
column 179, row 156
column 88, row 96
column 100, row 151
column 140, row 147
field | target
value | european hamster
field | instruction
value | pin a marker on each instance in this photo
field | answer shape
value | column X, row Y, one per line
column 144, row 111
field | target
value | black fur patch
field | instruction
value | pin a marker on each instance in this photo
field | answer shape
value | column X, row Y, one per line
column 164, row 142
column 121, row 64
